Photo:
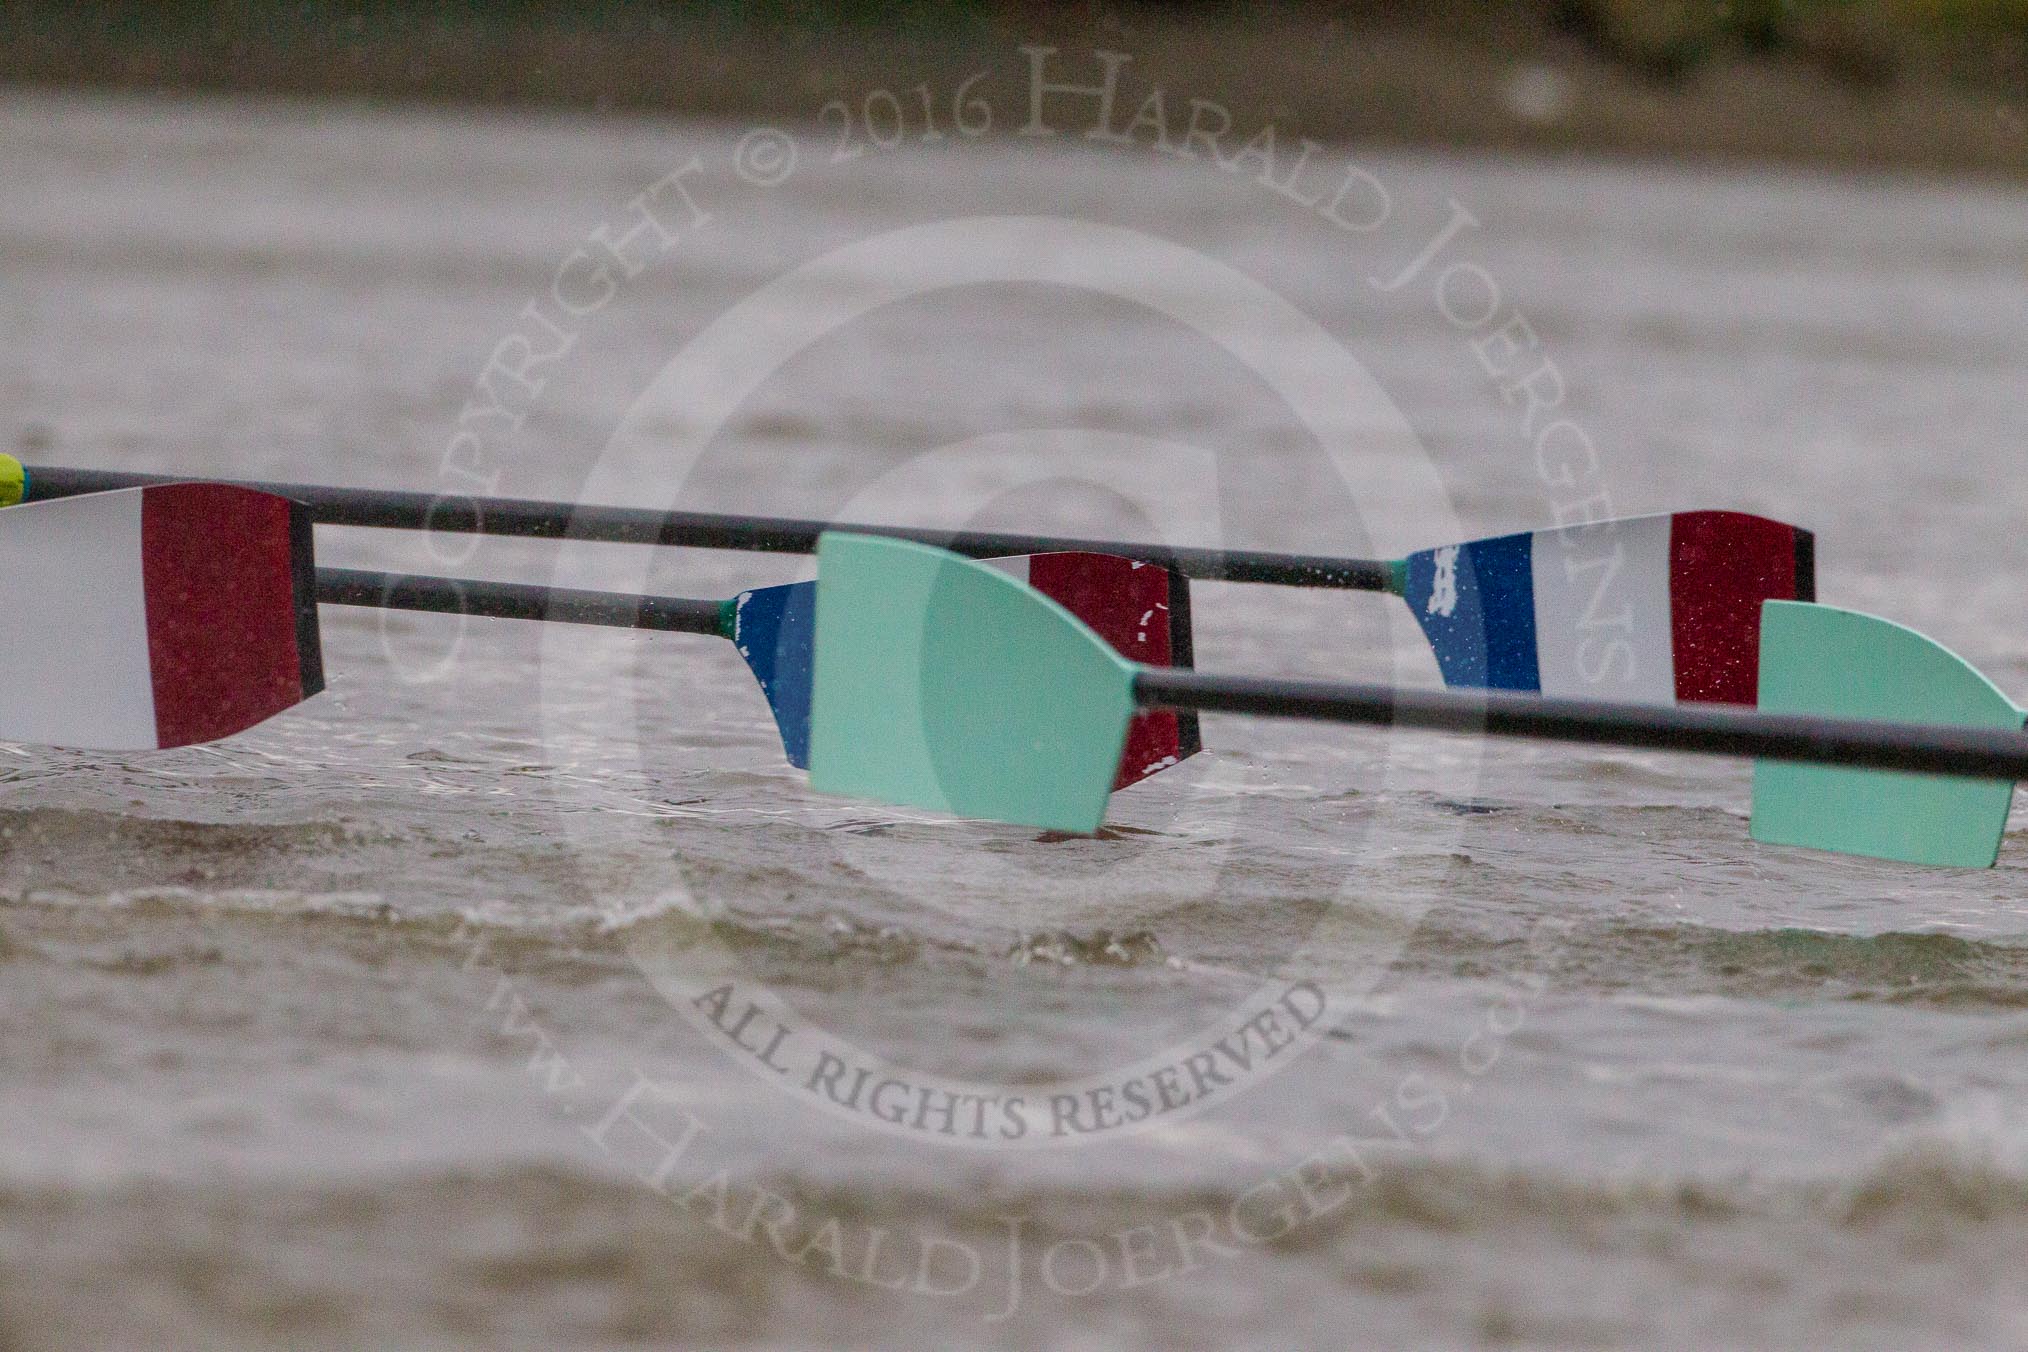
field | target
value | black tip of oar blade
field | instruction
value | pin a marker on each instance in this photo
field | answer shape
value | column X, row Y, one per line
column 303, row 571
column 1806, row 565
column 1183, row 657
column 154, row 617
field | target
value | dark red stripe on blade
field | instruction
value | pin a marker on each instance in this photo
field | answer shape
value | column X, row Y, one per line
column 228, row 572
column 1127, row 605
column 1722, row 566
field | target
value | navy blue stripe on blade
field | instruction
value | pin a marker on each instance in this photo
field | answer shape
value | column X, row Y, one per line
column 775, row 630
column 1476, row 605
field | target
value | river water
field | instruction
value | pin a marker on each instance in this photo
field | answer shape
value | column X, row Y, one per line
column 419, row 1016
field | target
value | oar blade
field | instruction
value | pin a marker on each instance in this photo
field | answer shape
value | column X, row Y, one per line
column 1646, row 610
column 945, row 684
column 1842, row 664
column 1140, row 609
column 155, row 617
column 1143, row 612
column 774, row 630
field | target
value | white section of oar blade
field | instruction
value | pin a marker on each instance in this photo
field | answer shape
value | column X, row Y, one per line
column 74, row 667
column 1604, row 627
column 1014, row 566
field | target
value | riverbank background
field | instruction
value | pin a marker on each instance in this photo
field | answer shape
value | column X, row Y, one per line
column 1931, row 84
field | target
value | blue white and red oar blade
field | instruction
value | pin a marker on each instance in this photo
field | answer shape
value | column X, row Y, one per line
column 1648, row 610
column 1142, row 610
column 155, row 617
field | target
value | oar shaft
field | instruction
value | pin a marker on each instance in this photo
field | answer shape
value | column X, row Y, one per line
column 1700, row 729
column 397, row 510
column 516, row 601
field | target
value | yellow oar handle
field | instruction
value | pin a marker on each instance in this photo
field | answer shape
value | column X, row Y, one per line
column 13, row 480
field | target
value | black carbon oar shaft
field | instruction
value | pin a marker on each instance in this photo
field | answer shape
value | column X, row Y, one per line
column 1697, row 729
column 516, row 601
column 1701, row 729
column 390, row 509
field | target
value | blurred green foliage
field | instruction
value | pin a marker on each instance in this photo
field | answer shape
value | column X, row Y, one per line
column 1753, row 22
column 334, row 18
column 1861, row 41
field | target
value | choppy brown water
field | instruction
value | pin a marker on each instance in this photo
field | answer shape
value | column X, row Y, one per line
column 317, row 1037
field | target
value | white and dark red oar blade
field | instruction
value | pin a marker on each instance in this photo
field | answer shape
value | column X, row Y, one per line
column 155, row 617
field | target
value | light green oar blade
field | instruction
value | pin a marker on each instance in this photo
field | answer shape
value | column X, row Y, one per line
column 945, row 684
column 1822, row 660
